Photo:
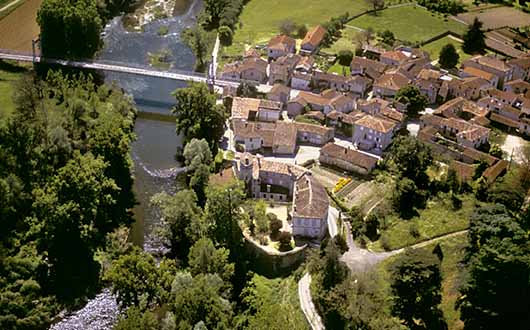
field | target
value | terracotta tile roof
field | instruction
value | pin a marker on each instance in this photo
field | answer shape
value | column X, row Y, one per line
column 360, row 80
column 253, row 63
column 478, row 73
column 493, row 172
column 311, row 199
column 284, row 135
column 306, row 63
column 251, row 52
column 351, row 156
column 474, row 82
column 317, row 115
column 377, row 124
column 504, row 120
column 522, row 62
column 429, row 74
column 278, row 89
column 261, row 164
column 312, row 128
column 502, row 95
column 282, row 42
column 311, row 98
column 454, row 107
column 245, row 130
column 431, row 120
column 242, row 106
column 361, row 63
column 392, row 114
column 463, row 171
column 373, row 105
column 477, row 155
column 395, row 55
column 392, row 81
column 518, row 84
column 347, row 118
column 314, row 36
column 331, row 77
column 490, row 62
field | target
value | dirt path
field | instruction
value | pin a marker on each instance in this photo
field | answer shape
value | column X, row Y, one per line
column 9, row 5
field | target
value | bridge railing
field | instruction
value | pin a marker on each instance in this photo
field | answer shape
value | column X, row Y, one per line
column 141, row 66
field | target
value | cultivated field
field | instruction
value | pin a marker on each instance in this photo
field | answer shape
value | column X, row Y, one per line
column 20, row 27
column 261, row 18
column 409, row 23
column 433, row 48
column 495, row 18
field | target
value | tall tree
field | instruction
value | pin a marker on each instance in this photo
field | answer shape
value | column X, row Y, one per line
column 198, row 115
column 69, row 28
column 412, row 159
column 496, row 292
column 197, row 152
column 474, row 39
column 448, row 57
column 197, row 39
column 416, row 288
column 411, row 96
column 184, row 219
column 204, row 258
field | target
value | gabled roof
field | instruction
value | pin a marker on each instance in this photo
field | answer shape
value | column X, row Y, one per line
column 395, row 55
column 478, row 73
column 314, row 36
column 392, row 80
column 377, row 124
column 282, row 42
column 489, row 61
column 311, row 199
column 351, row 156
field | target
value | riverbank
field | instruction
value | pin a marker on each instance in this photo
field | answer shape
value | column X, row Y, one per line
column 20, row 27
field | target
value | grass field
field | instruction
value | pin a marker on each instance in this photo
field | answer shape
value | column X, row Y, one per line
column 345, row 42
column 261, row 18
column 437, row 219
column 8, row 75
column 453, row 251
column 409, row 23
column 434, row 48
column 339, row 69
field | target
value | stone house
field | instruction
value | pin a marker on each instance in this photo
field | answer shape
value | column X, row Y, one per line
column 281, row 45
column 279, row 93
column 493, row 65
column 373, row 133
column 312, row 40
column 314, row 134
column 389, row 84
column 347, row 159
column 521, row 67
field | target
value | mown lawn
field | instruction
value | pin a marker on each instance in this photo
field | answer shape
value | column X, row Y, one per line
column 345, row 42
column 260, row 19
column 9, row 73
column 437, row 219
column 453, row 249
column 434, row 48
column 409, row 23
column 340, row 69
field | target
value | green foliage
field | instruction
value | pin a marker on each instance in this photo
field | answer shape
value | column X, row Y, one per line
column 223, row 12
column 448, row 57
column 474, row 41
column 204, row 258
column 137, row 281
column 163, row 30
column 198, row 116
column 496, row 151
column 226, row 35
column 416, row 289
column 200, row 299
column 497, row 246
column 412, row 159
column 387, row 37
column 69, row 28
column 272, row 304
column 197, row 152
column 345, row 57
column 452, row 7
column 199, row 181
column 184, row 219
column 198, row 40
column 407, row 196
column 246, row 89
column 411, row 96
column 135, row 318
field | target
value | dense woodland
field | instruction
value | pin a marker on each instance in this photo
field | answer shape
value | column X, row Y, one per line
column 65, row 183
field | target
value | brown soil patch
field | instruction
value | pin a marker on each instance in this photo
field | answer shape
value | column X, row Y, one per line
column 499, row 17
column 181, row 7
column 20, row 27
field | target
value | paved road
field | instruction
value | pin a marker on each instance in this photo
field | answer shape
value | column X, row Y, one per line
column 306, row 303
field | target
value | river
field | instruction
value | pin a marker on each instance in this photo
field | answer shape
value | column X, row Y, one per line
column 153, row 152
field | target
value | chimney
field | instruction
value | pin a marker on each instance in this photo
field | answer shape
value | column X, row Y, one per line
column 268, row 188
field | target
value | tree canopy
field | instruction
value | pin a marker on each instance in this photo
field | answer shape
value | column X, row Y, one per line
column 474, row 39
column 448, row 57
column 411, row 96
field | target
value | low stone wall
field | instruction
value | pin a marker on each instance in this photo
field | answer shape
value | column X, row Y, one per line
column 270, row 263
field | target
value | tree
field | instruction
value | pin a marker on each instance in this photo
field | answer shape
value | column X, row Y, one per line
column 416, row 289
column 259, row 215
column 198, row 116
column 199, row 181
column 246, row 89
column 387, row 37
column 497, row 246
column 135, row 318
column 285, row 241
column 197, row 152
column 197, row 39
column 376, row 4
column 412, row 159
column 407, row 196
column 474, row 40
column 69, row 28
column 134, row 279
column 226, row 35
column 275, row 224
column 496, row 151
column 200, row 299
column 287, row 27
column 411, row 96
column 345, row 57
column 448, row 57
column 204, row 258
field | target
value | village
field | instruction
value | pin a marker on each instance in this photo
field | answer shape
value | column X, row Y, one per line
column 345, row 123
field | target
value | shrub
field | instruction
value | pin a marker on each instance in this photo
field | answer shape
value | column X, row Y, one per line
column 285, row 241
column 385, row 242
column 345, row 57
column 414, row 230
column 226, row 35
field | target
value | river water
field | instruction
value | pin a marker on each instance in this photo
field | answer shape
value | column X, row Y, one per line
column 154, row 150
